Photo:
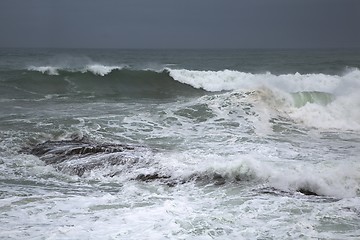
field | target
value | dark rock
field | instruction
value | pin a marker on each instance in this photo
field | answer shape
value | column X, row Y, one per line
column 307, row 192
column 62, row 150
column 278, row 192
column 207, row 178
column 151, row 177
column 77, row 156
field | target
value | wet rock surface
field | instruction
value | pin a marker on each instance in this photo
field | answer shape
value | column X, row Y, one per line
column 76, row 156
column 53, row 152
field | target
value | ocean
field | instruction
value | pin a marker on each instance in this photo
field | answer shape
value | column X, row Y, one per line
column 179, row 144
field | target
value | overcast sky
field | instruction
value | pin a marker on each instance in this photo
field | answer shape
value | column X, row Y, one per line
column 180, row 23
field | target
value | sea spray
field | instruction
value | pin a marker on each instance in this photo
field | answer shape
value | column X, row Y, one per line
column 226, row 147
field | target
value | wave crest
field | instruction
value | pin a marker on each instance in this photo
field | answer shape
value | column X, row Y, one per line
column 316, row 100
column 234, row 80
column 102, row 70
column 227, row 80
column 50, row 70
column 96, row 69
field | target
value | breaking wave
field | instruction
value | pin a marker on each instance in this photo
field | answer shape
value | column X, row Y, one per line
column 336, row 181
column 97, row 69
column 233, row 80
column 214, row 81
column 316, row 100
column 302, row 98
column 91, row 159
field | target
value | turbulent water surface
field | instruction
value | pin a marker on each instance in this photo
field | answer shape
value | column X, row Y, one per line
column 191, row 144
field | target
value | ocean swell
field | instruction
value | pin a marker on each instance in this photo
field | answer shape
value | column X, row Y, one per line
column 97, row 69
column 224, row 80
column 316, row 100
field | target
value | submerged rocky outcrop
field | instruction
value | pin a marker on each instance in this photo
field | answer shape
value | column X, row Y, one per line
column 76, row 156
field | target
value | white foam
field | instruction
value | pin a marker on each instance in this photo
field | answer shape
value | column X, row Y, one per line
column 335, row 180
column 343, row 113
column 97, row 69
column 102, row 70
column 272, row 94
column 236, row 80
column 45, row 69
column 99, row 207
column 329, row 178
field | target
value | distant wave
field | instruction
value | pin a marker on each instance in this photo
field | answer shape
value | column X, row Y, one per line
column 224, row 80
column 97, row 81
column 97, row 69
column 102, row 70
column 45, row 69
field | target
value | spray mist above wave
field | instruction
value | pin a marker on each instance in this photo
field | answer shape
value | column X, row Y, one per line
column 65, row 63
column 97, row 69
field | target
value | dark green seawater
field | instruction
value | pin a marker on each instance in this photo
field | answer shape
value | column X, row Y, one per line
column 236, row 144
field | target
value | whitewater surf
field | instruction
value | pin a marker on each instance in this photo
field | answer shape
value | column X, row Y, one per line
column 170, row 144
